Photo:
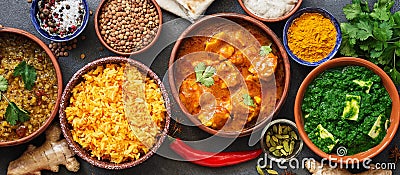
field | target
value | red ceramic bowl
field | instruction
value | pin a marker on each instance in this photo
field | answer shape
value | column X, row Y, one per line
column 239, row 19
column 394, row 117
column 97, row 29
column 66, row 127
column 295, row 8
column 59, row 85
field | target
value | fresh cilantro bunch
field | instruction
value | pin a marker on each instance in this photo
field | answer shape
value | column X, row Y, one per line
column 373, row 34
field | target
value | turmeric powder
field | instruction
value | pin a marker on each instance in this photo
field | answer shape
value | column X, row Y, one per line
column 311, row 37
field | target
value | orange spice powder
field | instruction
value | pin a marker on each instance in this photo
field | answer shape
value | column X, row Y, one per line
column 311, row 37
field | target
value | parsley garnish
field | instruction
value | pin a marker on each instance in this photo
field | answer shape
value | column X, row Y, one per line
column 204, row 74
column 373, row 34
column 265, row 50
column 13, row 113
column 28, row 74
column 247, row 100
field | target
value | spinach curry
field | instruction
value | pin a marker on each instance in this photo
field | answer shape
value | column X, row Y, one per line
column 348, row 107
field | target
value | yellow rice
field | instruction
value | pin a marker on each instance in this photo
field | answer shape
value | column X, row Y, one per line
column 96, row 113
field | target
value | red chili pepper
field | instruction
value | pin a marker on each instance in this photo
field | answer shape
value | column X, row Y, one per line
column 210, row 159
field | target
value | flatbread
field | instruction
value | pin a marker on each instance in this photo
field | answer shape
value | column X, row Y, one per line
column 188, row 9
column 195, row 7
column 174, row 7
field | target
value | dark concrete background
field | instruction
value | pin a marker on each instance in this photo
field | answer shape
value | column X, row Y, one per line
column 15, row 13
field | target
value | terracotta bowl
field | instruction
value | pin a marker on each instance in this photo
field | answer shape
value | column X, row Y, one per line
column 297, row 6
column 97, row 29
column 66, row 127
column 237, row 19
column 394, row 117
column 59, row 85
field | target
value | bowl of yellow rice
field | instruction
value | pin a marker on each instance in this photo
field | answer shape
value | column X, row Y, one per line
column 115, row 113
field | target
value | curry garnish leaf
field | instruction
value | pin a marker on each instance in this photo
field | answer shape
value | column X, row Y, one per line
column 247, row 100
column 14, row 114
column 3, row 83
column 373, row 34
column 204, row 74
column 27, row 73
column 265, row 50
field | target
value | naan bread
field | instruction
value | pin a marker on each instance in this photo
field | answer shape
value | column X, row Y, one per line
column 174, row 7
column 189, row 9
column 195, row 7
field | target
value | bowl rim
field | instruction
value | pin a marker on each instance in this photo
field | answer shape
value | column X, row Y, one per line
column 57, row 69
column 43, row 33
column 75, row 79
column 97, row 30
column 324, row 13
column 264, row 146
column 291, row 12
column 273, row 38
column 394, row 117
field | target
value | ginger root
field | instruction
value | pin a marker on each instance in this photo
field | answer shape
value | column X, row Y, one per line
column 316, row 168
column 52, row 153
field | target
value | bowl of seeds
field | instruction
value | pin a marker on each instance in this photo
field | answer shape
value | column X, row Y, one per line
column 59, row 20
column 128, row 27
column 280, row 140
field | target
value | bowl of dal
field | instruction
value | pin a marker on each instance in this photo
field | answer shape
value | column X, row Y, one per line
column 35, row 99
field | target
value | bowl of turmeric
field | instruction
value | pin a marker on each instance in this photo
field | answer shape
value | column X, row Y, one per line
column 312, row 36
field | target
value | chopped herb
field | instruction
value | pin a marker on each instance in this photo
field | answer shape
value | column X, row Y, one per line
column 28, row 74
column 3, row 83
column 204, row 74
column 13, row 113
column 265, row 50
column 247, row 100
column 373, row 34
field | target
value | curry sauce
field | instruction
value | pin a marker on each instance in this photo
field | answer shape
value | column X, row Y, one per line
column 234, row 51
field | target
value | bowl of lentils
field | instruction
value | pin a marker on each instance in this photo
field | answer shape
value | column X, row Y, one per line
column 30, row 86
column 59, row 20
column 128, row 27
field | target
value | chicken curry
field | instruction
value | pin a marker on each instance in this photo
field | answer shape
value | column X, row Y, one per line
column 230, row 77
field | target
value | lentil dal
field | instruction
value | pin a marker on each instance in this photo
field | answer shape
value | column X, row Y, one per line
column 39, row 101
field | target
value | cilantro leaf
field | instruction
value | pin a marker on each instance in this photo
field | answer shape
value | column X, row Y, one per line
column 365, row 30
column 265, row 50
column 382, row 32
column 14, row 114
column 208, row 82
column 395, row 75
column 199, row 69
column 247, row 100
column 352, row 10
column 204, row 74
column 396, row 17
column 347, row 48
column 380, row 14
column 28, row 74
column 3, row 83
column 350, row 29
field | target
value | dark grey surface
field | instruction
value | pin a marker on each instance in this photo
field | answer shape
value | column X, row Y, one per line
column 15, row 13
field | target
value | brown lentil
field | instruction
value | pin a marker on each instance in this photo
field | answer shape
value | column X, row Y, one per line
column 83, row 56
column 39, row 101
column 128, row 26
